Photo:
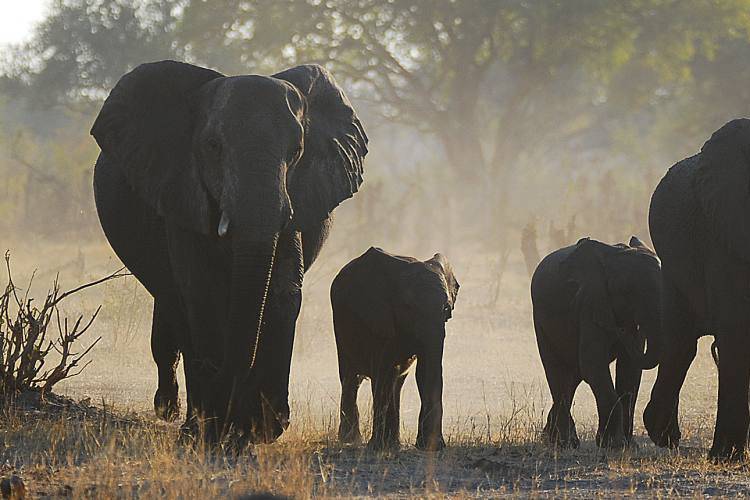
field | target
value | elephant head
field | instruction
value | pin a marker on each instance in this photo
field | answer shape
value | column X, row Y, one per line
column 425, row 299
column 407, row 295
column 237, row 159
column 619, row 292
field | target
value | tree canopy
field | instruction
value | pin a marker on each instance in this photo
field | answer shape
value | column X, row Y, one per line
column 502, row 86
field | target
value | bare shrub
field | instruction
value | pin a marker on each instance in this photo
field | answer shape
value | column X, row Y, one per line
column 27, row 341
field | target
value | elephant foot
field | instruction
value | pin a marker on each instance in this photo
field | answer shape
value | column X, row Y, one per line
column 664, row 436
column 270, row 424
column 611, row 440
column 571, row 442
column 727, row 451
column 265, row 430
column 350, row 436
column 430, row 444
column 167, row 404
column 562, row 439
column 632, row 445
column 383, row 444
column 189, row 433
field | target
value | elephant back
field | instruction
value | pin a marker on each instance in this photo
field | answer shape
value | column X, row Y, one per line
column 722, row 185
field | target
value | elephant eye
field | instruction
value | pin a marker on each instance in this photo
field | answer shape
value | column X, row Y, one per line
column 213, row 145
column 447, row 312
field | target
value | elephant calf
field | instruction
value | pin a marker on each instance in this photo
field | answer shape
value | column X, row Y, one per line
column 388, row 311
column 594, row 303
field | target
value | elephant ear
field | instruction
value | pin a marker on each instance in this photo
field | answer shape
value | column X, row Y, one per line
column 722, row 185
column 636, row 242
column 446, row 269
column 641, row 247
column 335, row 144
column 145, row 126
column 585, row 266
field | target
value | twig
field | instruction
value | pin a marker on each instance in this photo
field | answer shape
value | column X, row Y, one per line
column 24, row 342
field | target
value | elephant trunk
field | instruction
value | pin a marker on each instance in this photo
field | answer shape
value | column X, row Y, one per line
column 254, row 233
column 648, row 316
column 651, row 331
column 250, row 280
column 251, row 277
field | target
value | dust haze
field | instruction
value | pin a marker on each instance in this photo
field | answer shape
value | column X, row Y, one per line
column 499, row 132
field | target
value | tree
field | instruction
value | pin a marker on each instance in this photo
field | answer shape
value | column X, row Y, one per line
column 505, row 87
column 502, row 85
column 83, row 47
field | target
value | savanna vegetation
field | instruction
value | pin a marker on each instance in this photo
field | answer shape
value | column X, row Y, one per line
column 499, row 130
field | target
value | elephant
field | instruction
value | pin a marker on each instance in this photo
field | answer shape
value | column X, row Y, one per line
column 389, row 311
column 699, row 224
column 216, row 192
column 595, row 303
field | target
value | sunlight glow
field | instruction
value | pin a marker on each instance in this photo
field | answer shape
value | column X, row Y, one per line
column 18, row 17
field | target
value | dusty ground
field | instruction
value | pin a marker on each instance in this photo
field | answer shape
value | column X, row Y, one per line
column 495, row 401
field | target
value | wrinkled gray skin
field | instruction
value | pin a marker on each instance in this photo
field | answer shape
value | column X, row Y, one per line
column 700, row 225
column 216, row 192
column 593, row 304
column 388, row 311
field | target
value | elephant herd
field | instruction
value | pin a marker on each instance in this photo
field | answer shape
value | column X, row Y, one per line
column 594, row 303
column 217, row 192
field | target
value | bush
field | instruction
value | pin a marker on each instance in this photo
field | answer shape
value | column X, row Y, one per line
column 27, row 341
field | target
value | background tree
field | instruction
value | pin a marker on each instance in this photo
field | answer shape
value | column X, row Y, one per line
column 537, row 107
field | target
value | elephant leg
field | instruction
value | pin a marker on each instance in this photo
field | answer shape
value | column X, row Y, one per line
column 661, row 412
column 594, row 367
column 393, row 412
column 627, row 384
column 383, row 384
column 201, row 273
column 560, row 429
column 191, row 427
column 166, row 354
column 349, row 415
column 274, row 356
column 610, row 431
column 733, row 417
column 563, row 380
column 429, row 376
column 680, row 346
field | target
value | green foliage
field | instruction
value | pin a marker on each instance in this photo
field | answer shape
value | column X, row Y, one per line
column 83, row 47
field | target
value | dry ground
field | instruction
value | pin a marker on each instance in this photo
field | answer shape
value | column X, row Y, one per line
column 495, row 403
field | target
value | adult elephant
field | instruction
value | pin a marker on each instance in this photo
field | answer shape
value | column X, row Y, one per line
column 595, row 303
column 700, row 224
column 216, row 192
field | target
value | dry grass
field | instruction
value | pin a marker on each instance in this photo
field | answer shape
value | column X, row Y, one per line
column 495, row 404
column 107, row 455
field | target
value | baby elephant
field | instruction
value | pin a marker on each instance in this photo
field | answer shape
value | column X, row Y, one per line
column 594, row 303
column 387, row 312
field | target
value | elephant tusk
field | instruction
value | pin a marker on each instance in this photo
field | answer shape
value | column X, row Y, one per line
column 715, row 351
column 223, row 225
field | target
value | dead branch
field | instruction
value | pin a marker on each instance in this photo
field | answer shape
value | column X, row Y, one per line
column 25, row 340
